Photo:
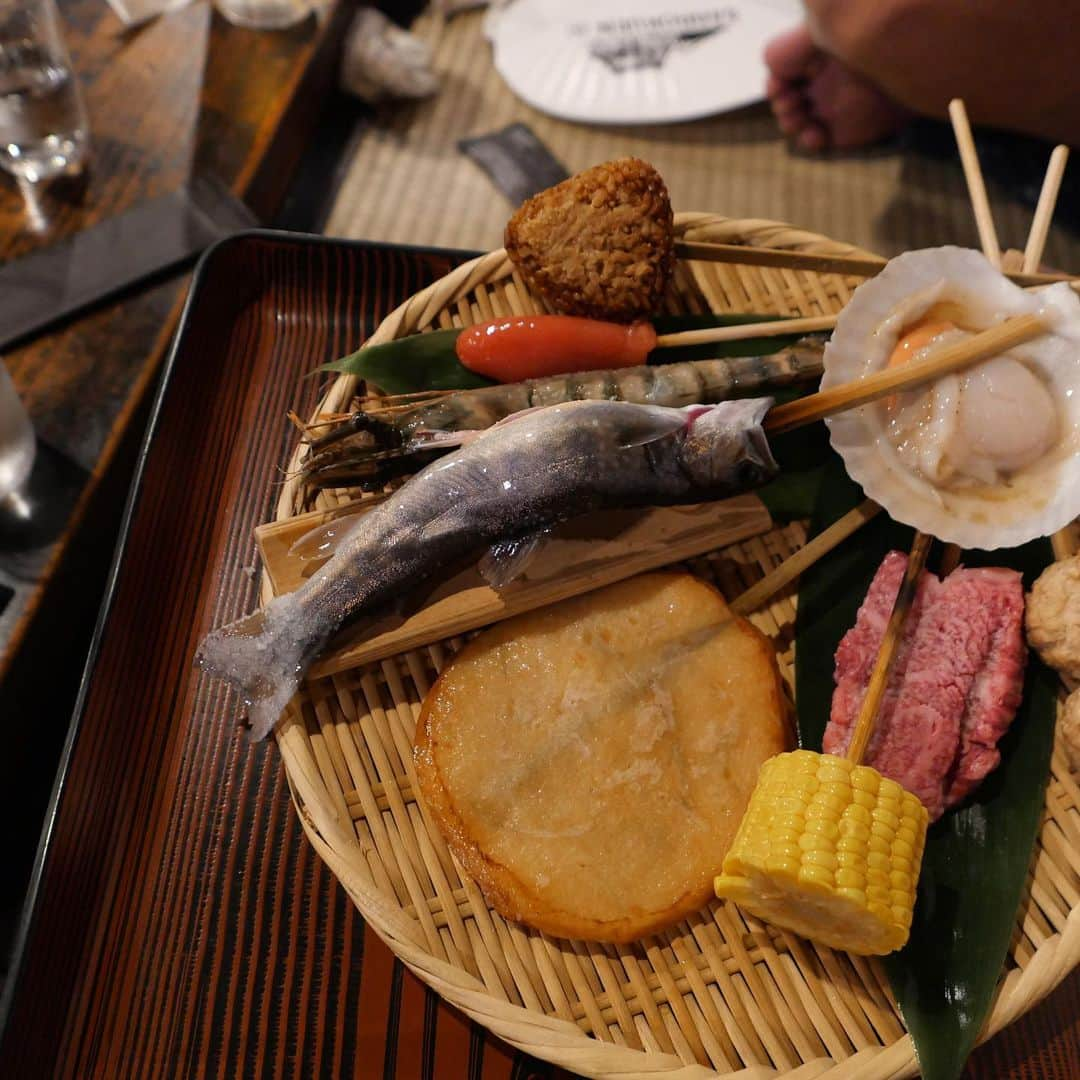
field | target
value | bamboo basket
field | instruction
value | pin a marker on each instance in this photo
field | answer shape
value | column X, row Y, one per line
column 719, row 994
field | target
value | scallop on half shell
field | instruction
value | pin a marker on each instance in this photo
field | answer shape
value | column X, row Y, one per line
column 985, row 458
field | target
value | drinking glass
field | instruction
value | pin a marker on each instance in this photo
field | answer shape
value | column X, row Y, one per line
column 43, row 127
column 264, row 14
column 17, row 443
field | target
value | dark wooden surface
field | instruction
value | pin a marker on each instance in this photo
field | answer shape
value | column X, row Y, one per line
column 183, row 925
column 184, row 95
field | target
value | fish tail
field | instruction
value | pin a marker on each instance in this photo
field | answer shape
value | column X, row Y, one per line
column 264, row 656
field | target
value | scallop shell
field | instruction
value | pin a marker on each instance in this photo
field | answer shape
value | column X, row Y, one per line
column 1036, row 501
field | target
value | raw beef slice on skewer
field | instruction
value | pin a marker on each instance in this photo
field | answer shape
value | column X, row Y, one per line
column 955, row 684
column 993, row 598
column 917, row 732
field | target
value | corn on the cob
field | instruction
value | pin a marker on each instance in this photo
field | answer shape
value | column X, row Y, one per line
column 830, row 850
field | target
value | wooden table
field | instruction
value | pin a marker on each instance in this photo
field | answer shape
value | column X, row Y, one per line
column 186, row 95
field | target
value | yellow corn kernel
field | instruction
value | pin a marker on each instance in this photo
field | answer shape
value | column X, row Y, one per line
column 877, row 845
column 902, row 850
column 864, row 799
column 830, row 850
column 819, row 877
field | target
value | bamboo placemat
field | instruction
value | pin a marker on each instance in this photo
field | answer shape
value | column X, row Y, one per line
column 408, row 182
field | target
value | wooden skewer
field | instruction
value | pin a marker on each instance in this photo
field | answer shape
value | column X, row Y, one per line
column 938, row 362
column 804, row 558
column 1063, row 541
column 776, row 328
column 813, row 324
column 748, row 255
column 879, row 677
column 950, row 559
column 1044, row 209
column 984, row 222
column 821, row 264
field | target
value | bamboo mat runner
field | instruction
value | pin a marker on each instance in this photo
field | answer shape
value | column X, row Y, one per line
column 408, row 183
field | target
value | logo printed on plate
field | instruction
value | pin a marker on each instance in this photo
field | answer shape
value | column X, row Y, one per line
column 628, row 44
column 626, row 62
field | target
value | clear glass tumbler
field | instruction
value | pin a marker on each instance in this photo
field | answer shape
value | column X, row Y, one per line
column 43, row 126
column 264, row 14
column 17, row 443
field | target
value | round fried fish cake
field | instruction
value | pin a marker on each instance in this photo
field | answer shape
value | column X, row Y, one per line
column 589, row 763
column 601, row 244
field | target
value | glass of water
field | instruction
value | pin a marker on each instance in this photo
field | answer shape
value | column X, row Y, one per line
column 43, row 128
column 263, row 14
column 17, row 443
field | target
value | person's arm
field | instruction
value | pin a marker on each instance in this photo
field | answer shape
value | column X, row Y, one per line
column 1016, row 65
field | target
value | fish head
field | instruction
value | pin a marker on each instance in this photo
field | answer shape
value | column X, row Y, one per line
column 724, row 449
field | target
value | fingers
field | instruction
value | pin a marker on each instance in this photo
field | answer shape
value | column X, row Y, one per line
column 795, row 120
column 790, row 56
column 794, row 61
column 813, row 138
column 791, row 110
column 819, row 103
column 851, row 109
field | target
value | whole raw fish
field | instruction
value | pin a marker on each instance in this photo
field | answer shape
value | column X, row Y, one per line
column 510, row 483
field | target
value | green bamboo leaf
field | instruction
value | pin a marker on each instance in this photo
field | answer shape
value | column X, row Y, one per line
column 429, row 362
column 802, row 456
column 410, row 364
column 977, row 856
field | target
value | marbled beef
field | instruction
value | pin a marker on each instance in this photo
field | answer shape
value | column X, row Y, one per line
column 955, row 684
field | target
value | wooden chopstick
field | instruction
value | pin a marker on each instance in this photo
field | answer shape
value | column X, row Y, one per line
column 1044, row 209
column 969, row 158
column 797, row 564
column 879, row 678
column 938, row 362
column 821, row 264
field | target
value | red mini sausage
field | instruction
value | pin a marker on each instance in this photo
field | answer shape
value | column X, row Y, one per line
column 535, row 346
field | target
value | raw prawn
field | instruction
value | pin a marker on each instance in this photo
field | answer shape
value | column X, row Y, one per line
column 396, row 435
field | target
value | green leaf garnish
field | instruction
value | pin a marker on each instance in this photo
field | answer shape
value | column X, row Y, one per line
column 802, row 455
column 410, row 364
column 977, row 856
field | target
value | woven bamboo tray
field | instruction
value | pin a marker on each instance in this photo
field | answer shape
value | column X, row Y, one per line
column 721, row 993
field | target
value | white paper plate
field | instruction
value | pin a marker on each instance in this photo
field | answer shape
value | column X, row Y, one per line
column 636, row 61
